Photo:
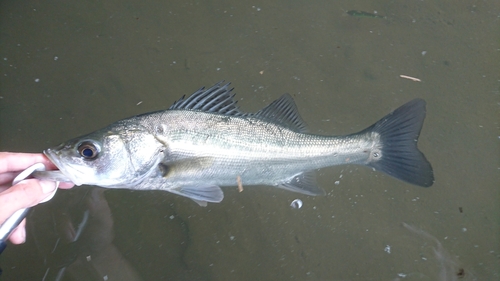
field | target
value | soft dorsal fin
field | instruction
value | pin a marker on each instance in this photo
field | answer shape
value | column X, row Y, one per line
column 284, row 112
column 217, row 99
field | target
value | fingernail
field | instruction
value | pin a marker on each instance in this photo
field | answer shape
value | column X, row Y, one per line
column 48, row 186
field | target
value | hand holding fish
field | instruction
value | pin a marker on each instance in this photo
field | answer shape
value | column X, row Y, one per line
column 24, row 194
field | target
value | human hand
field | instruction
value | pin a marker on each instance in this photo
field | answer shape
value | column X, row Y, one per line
column 26, row 193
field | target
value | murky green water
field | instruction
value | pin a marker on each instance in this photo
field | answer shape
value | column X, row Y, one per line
column 68, row 68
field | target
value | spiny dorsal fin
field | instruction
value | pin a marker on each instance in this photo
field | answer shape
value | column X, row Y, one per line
column 217, row 99
column 284, row 112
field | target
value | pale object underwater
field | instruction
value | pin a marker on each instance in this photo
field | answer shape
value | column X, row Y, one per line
column 450, row 268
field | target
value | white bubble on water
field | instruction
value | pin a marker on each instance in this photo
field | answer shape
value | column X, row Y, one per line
column 387, row 249
column 296, row 204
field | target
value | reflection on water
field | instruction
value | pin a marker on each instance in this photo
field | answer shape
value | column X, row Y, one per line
column 87, row 247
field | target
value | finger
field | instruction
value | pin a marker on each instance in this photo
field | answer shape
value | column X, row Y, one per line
column 26, row 193
column 62, row 185
column 11, row 161
column 18, row 236
column 66, row 185
column 6, row 178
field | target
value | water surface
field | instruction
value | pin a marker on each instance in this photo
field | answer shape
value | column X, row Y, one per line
column 69, row 68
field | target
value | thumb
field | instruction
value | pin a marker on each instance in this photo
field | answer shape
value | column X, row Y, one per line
column 49, row 188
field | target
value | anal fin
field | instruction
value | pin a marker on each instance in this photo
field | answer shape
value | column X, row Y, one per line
column 304, row 183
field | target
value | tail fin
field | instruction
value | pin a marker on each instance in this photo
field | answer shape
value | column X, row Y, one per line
column 399, row 133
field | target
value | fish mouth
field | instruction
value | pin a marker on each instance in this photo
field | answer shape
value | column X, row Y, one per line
column 55, row 158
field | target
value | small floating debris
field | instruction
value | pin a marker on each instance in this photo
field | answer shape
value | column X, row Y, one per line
column 410, row 78
column 362, row 14
column 240, row 185
column 387, row 249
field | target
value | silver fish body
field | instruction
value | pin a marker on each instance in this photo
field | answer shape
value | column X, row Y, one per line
column 204, row 142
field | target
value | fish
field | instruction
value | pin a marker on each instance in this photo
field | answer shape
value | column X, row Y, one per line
column 204, row 142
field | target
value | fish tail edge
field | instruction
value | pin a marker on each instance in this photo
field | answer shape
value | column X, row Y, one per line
column 400, row 157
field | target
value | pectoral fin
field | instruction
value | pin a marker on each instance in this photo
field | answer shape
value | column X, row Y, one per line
column 200, row 194
column 169, row 169
column 304, row 183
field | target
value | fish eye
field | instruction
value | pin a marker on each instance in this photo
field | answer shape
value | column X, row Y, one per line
column 88, row 150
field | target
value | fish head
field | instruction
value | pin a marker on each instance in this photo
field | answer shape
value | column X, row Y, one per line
column 114, row 157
